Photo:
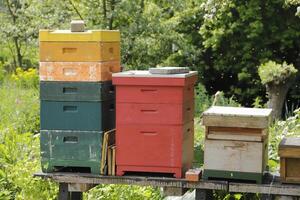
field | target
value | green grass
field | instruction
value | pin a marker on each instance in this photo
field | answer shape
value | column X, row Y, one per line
column 19, row 145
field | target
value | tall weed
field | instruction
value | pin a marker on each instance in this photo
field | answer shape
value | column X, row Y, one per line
column 19, row 145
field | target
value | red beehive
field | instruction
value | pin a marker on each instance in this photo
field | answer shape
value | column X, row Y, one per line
column 154, row 122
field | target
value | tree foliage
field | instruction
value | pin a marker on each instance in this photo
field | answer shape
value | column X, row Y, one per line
column 240, row 35
column 223, row 40
column 293, row 2
column 278, row 79
column 272, row 72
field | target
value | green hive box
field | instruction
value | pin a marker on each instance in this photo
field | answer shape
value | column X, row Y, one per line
column 65, row 150
column 76, row 91
column 78, row 115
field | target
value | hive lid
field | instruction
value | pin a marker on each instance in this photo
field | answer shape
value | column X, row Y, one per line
column 169, row 70
column 290, row 147
column 290, row 142
column 147, row 74
column 85, row 36
column 237, row 117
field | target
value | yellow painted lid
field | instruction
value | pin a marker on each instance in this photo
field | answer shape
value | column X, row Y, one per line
column 86, row 36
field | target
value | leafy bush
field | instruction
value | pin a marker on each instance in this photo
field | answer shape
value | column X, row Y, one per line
column 221, row 100
column 19, row 155
column 281, row 129
column 19, row 108
column 202, row 99
column 272, row 72
column 258, row 103
column 26, row 78
column 125, row 192
column 19, row 146
column 2, row 72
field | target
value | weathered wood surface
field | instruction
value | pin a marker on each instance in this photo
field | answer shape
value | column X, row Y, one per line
column 277, row 189
column 219, row 116
column 290, row 170
column 239, row 134
column 239, row 156
column 132, row 180
column 272, row 186
column 289, row 148
column 289, row 153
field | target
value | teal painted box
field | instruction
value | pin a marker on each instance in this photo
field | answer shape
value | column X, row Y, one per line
column 76, row 91
column 79, row 151
column 78, row 115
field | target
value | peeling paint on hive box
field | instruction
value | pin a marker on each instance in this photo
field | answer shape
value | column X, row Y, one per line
column 78, row 71
column 71, row 149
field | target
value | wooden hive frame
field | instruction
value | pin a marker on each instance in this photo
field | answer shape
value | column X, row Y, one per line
column 232, row 133
column 289, row 152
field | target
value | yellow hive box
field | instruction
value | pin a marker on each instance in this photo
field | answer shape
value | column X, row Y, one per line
column 87, row 36
column 78, row 71
column 79, row 51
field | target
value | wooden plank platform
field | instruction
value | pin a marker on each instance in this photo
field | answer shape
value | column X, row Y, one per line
column 272, row 185
column 82, row 178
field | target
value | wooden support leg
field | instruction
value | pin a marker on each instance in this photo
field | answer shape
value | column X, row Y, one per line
column 63, row 191
column 249, row 196
column 174, row 191
column 75, row 195
column 202, row 194
column 65, row 194
column 267, row 197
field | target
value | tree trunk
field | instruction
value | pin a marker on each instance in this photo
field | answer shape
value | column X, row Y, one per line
column 16, row 6
column 75, row 9
column 104, row 12
column 18, row 50
column 276, row 95
column 112, row 10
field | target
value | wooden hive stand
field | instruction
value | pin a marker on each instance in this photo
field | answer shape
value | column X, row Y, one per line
column 72, row 185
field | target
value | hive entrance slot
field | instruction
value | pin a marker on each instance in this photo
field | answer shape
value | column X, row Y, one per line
column 111, row 107
column 69, row 90
column 111, row 89
column 72, row 169
column 70, row 108
column 232, row 180
column 148, row 90
column 69, row 50
column 149, row 174
column 70, row 139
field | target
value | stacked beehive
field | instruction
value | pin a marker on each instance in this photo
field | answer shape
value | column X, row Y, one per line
column 236, row 143
column 154, row 121
column 77, row 96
